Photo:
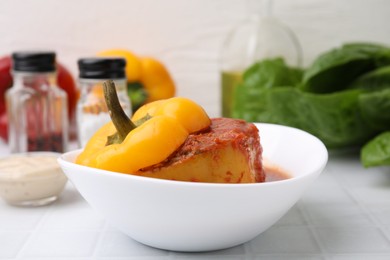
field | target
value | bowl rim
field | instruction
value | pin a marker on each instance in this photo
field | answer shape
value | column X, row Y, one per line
column 61, row 160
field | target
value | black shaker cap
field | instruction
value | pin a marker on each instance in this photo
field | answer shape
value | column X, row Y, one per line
column 29, row 61
column 102, row 68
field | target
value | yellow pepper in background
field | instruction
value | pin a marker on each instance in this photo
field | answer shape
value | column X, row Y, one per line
column 156, row 80
column 160, row 128
column 148, row 79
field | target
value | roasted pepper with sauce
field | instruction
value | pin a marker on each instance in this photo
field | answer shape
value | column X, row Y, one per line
column 155, row 131
column 148, row 79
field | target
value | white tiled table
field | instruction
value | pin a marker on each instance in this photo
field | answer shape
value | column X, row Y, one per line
column 344, row 215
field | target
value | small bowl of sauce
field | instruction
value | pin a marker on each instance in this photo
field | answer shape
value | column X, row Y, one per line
column 31, row 179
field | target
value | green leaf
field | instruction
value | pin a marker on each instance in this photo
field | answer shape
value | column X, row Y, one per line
column 334, row 118
column 373, row 80
column 344, row 98
column 271, row 73
column 249, row 101
column 377, row 151
column 248, row 98
column 336, row 69
column 375, row 107
column 250, row 104
column 380, row 52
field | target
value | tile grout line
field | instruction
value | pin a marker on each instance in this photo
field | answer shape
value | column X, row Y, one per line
column 99, row 240
column 311, row 227
column 343, row 185
column 247, row 250
column 376, row 223
column 33, row 232
column 301, row 207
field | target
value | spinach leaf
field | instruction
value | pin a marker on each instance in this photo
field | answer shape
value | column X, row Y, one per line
column 375, row 107
column 271, row 73
column 334, row 118
column 380, row 53
column 336, row 69
column 249, row 98
column 250, row 104
column 343, row 98
column 373, row 80
column 377, row 151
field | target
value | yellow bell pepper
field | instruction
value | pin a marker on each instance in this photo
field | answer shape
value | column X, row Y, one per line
column 161, row 127
column 150, row 143
column 156, row 80
column 148, row 79
column 191, row 115
column 97, row 142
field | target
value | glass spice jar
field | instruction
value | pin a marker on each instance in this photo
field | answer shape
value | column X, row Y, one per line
column 37, row 108
column 92, row 112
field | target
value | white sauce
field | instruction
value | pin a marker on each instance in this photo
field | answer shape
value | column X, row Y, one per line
column 31, row 178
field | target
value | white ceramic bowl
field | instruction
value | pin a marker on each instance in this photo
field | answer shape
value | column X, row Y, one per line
column 185, row 216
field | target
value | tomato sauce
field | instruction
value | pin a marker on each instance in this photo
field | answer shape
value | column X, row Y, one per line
column 274, row 173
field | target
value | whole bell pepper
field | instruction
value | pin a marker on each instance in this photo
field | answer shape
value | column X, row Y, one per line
column 148, row 79
column 154, row 133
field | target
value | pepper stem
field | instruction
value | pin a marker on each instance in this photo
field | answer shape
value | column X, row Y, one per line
column 121, row 121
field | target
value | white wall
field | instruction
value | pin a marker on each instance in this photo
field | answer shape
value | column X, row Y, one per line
column 186, row 35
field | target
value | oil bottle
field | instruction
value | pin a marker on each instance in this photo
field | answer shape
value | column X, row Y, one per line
column 260, row 36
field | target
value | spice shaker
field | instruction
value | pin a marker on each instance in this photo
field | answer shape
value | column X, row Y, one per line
column 37, row 108
column 92, row 112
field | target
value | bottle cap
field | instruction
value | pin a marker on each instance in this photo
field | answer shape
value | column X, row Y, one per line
column 102, row 68
column 28, row 61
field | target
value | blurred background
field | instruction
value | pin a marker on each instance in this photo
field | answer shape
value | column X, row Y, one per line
column 185, row 35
